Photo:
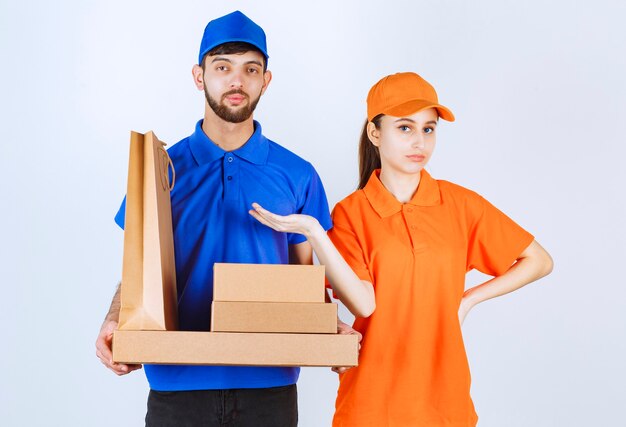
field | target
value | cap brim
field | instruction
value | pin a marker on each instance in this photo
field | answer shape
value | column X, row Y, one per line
column 206, row 49
column 415, row 105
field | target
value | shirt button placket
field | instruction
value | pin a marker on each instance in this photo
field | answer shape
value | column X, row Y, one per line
column 230, row 174
column 409, row 218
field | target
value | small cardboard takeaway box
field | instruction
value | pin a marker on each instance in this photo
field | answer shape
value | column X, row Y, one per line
column 287, row 317
column 271, row 298
column 281, row 298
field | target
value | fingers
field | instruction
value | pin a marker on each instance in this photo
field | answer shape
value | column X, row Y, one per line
column 462, row 313
column 461, row 319
column 271, row 217
column 345, row 329
column 260, row 218
column 340, row 369
column 258, row 207
column 104, row 353
column 123, row 369
column 265, row 217
column 264, row 213
column 272, row 220
column 103, row 346
column 120, row 368
column 291, row 223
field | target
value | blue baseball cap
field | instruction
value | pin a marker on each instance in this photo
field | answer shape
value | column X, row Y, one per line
column 234, row 27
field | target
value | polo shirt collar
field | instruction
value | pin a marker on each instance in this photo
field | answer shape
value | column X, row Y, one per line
column 204, row 150
column 385, row 204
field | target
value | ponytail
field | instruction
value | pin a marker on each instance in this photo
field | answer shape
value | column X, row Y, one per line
column 369, row 158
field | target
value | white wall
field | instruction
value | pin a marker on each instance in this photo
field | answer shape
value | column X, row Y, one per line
column 538, row 91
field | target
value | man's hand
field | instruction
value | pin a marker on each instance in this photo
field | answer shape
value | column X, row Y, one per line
column 103, row 349
column 344, row 328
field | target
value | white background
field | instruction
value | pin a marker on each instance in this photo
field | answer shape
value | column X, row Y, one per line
column 538, row 91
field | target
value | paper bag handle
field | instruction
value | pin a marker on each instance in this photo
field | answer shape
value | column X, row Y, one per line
column 165, row 165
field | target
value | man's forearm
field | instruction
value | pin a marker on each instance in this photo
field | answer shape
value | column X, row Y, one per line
column 114, row 310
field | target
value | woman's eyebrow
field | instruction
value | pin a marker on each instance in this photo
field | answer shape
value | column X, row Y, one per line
column 405, row 119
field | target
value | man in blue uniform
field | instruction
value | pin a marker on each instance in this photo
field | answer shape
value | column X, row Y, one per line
column 221, row 168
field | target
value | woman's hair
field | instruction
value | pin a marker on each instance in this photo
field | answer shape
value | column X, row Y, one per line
column 369, row 158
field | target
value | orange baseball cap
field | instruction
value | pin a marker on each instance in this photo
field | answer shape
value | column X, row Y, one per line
column 402, row 94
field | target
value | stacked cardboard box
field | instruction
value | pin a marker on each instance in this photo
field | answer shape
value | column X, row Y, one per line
column 271, row 298
column 262, row 315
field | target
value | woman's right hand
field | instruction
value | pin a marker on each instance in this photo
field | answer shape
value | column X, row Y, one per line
column 294, row 223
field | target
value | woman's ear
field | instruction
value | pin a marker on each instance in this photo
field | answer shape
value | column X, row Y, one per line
column 373, row 133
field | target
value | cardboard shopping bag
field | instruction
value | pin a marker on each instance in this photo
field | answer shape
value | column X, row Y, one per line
column 148, row 290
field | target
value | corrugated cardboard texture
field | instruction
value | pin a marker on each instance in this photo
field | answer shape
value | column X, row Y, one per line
column 268, row 283
column 148, row 292
column 243, row 349
column 292, row 317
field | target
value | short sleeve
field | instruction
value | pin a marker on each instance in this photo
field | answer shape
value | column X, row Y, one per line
column 347, row 243
column 120, row 216
column 495, row 240
column 313, row 203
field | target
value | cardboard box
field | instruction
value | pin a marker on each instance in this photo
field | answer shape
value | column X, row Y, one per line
column 268, row 283
column 291, row 317
column 241, row 349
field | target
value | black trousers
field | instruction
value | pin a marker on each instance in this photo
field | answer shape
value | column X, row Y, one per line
column 254, row 407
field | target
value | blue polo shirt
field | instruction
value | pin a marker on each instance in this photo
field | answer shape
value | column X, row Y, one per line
column 210, row 201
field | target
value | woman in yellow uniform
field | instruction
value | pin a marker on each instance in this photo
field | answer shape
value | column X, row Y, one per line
column 408, row 240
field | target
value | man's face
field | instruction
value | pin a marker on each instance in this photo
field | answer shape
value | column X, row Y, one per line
column 234, row 83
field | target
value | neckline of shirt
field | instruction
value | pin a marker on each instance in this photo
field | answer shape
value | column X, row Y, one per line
column 204, row 150
column 385, row 204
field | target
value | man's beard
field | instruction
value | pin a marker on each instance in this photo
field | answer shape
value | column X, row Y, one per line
column 228, row 115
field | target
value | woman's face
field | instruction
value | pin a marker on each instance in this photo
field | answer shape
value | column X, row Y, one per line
column 405, row 144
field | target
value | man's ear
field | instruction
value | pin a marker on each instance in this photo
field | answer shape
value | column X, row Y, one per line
column 198, row 76
column 373, row 133
column 267, row 78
